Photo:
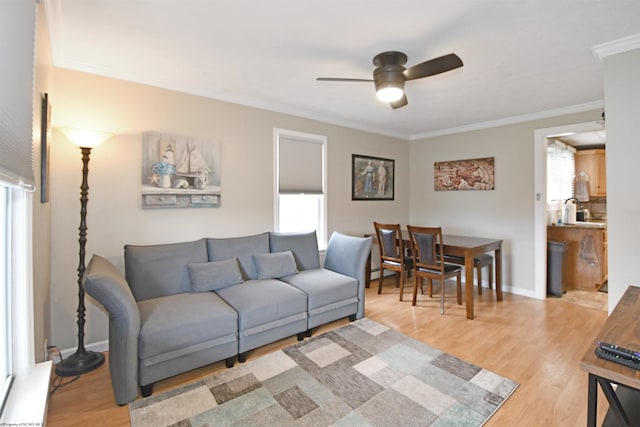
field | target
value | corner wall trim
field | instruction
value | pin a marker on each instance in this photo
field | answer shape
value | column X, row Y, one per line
column 614, row 47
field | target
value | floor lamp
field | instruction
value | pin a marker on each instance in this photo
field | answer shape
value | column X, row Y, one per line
column 82, row 361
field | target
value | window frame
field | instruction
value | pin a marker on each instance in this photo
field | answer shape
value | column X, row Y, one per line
column 560, row 171
column 6, row 351
column 308, row 138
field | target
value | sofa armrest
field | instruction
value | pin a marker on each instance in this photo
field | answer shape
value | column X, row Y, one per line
column 348, row 255
column 107, row 285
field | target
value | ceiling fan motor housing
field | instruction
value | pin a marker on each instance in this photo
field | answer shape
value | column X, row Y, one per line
column 389, row 71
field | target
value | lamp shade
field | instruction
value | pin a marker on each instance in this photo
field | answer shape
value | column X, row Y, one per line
column 88, row 138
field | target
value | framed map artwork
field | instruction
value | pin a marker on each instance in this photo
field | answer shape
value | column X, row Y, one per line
column 472, row 174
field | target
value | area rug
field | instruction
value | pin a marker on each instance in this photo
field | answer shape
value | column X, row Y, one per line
column 361, row 374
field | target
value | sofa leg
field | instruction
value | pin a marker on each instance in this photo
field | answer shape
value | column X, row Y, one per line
column 146, row 390
column 352, row 318
column 308, row 333
column 300, row 336
column 230, row 361
column 242, row 357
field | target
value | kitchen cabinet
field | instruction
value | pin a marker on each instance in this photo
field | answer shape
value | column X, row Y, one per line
column 593, row 163
column 586, row 258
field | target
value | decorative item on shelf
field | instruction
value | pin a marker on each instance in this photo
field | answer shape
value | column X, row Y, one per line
column 82, row 361
column 163, row 170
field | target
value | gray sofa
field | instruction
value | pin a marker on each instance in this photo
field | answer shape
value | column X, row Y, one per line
column 184, row 305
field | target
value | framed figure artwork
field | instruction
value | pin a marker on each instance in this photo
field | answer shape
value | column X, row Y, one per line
column 372, row 178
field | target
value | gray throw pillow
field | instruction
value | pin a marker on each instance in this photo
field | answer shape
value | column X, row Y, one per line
column 209, row 276
column 275, row 265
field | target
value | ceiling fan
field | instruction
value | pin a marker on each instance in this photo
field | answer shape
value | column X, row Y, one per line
column 390, row 74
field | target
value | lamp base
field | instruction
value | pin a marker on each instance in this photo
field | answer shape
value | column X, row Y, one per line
column 79, row 363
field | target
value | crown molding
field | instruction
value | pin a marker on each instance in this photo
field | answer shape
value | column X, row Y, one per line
column 512, row 120
column 614, row 47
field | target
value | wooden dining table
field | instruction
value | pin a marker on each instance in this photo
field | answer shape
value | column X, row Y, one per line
column 467, row 247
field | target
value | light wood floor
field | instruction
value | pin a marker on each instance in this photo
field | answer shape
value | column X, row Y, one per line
column 537, row 343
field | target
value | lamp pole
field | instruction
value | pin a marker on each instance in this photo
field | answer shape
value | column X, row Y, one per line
column 81, row 361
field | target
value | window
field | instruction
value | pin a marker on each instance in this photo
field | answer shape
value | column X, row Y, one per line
column 560, row 171
column 5, row 325
column 17, row 52
column 300, row 182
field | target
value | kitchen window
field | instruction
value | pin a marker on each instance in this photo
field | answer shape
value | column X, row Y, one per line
column 560, row 171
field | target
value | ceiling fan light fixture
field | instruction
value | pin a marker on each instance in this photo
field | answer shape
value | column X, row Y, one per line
column 389, row 93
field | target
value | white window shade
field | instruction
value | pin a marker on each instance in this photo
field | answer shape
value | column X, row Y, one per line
column 17, row 44
column 560, row 171
column 300, row 166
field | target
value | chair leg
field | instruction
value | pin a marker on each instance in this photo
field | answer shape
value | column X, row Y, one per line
column 442, row 296
column 430, row 287
column 380, row 280
column 479, row 272
column 459, row 288
column 415, row 289
column 401, row 283
column 490, row 276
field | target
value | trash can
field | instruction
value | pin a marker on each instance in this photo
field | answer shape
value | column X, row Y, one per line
column 556, row 270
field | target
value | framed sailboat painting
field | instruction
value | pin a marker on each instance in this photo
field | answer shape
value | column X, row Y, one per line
column 179, row 171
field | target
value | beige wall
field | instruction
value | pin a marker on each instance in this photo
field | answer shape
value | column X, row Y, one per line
column 622, row 92
column 115, row 216
column 41, row 211
column 506, row 212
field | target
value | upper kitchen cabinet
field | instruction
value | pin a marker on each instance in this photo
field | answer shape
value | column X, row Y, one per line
column 592, row 162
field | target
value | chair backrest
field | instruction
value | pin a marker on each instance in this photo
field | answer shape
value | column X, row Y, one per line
column 426, row 246
column 390, row 240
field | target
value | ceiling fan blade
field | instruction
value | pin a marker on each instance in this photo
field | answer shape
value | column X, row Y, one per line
column 338, row 79
column 433, row 66
column 399, row 103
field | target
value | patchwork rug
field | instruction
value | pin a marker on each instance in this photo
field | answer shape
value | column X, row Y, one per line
column 361, row 374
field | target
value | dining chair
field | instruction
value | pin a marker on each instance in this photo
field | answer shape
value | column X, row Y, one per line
column 480, row 261
column 428, row 258
column 392, row 253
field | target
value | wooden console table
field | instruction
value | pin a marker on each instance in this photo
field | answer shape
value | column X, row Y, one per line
column 621, row 328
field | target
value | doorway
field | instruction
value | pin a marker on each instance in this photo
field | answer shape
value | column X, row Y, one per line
column 541, row 137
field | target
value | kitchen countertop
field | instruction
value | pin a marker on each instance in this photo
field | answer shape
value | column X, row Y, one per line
column 583, row 224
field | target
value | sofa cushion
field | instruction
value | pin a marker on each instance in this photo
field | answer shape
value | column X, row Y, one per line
column 324, row 288
column 181, row 324
column 303, row 245
column 275, row 265
column 241, row 247
column 209, row 276
column 262, row 304
column 160, row 270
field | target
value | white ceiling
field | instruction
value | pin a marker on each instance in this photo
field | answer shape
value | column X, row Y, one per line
column 522, row 59
column 586, row 139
